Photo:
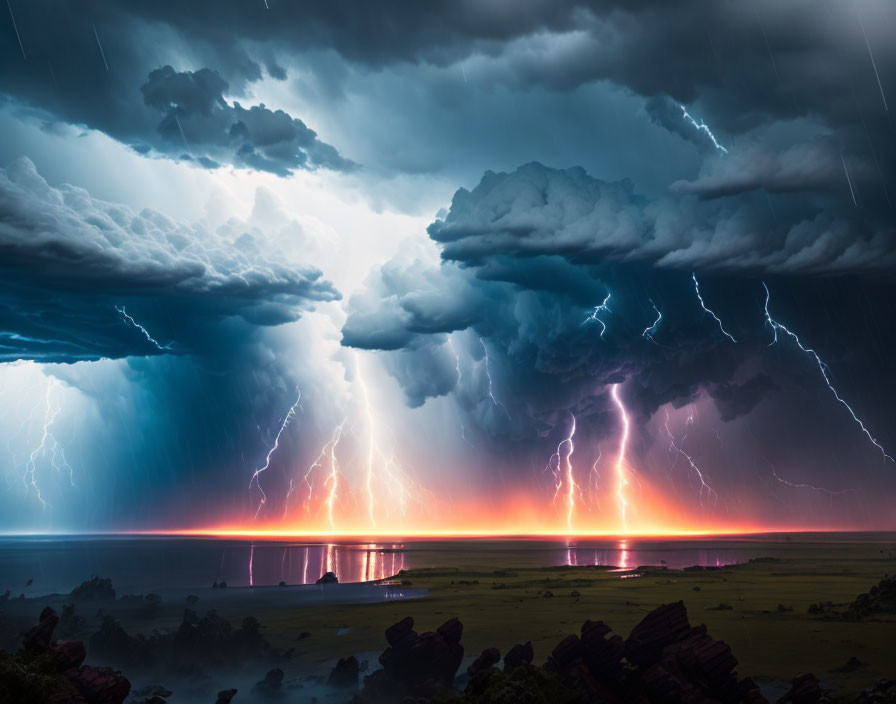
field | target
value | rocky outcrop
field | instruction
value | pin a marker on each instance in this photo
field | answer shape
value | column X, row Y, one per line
column 416, row 665
column 53, row 672
column 328, row 578
column 94, row 589
column 345, row 673
column 487, row 658
column 805, row 689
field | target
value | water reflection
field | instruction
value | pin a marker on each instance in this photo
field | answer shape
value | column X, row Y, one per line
column 272, row 563
column 628, row 554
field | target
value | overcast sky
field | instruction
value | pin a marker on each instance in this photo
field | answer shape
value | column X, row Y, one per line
column 374, row 265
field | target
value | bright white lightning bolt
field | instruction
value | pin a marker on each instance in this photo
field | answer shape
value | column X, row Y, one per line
column 650, row 331
column 822, row 367
column 714, row 316
column 488, row 375
column 149, row 338
column 701, row 127
column 602, row 308
column 679, row 449
column 621, row 480
column 371, row 440
column 333, row 478
column 48, row 445
column 267, row 460
column 560, row 464
column 328, row 451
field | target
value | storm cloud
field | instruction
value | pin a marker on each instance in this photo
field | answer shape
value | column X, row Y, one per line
column 81, row 274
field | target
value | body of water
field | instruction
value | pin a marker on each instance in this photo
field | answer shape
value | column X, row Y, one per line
column 140, row 564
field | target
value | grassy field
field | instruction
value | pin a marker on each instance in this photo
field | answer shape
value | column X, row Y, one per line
column 761, row 609
column 505, row 605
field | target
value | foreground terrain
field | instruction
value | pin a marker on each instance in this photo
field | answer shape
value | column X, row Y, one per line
column 790, row 612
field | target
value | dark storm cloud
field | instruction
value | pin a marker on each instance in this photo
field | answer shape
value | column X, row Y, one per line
column 735, row 399
column 69, row 260
column 198, row 118
column 527, row 256
column 539, row 211
column 107, row 69
column 744, row 68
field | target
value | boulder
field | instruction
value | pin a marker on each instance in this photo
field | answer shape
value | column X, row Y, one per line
column 345, row 673
column 328, row 578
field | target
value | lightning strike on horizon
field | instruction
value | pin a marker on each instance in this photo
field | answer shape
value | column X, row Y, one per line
column 102, row 53
column 488, row 374
column 593, row 317
column 561, row 467
column 679, row 449
column 822, row 367
column 48, row 445
column 333, row 478
column 650, row 331
column 128, row 319
column 707, row 310
column 267, row 460
column 371, row 440
column 621, row 480
column 16, row 27
column 702, row 127
column 322, row 456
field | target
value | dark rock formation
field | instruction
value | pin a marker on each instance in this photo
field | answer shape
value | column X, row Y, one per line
column 416, row 665
column 328, row 578
column 44, row 671
column 271, row 684
column 345, row 673
column 225, row 696
column 94, row 589
column 883, row 692
column 880, row 600
column 519, row 655
column 805, row 689
column 487, row 658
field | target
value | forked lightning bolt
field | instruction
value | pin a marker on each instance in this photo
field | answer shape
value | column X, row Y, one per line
column 267, row 460
column 488, row 375
column 48, row 446
column 707, row 310
column 702, row 127
column 594, row 316
column 822, row 367
column 560, row 464
column 149, row 338
column 650, row 331
column 621, row 478
column 679, row 449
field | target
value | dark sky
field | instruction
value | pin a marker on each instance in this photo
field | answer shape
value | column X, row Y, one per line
column 407, row 216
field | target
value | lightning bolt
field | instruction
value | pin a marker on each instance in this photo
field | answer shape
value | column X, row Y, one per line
column 707, row 310
column 702, row 127
column 149, row 338
column 650, row 331
column 488, row 374
column 463, row 431
column 621, row 479
column 593, row 317
column 822, row 367
column 806, row 486
column 327, row 452
column 333, row 477
column 267, row 460
column 560, row 464
column 48, row 445
column 371, row 440
column 679, row 449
